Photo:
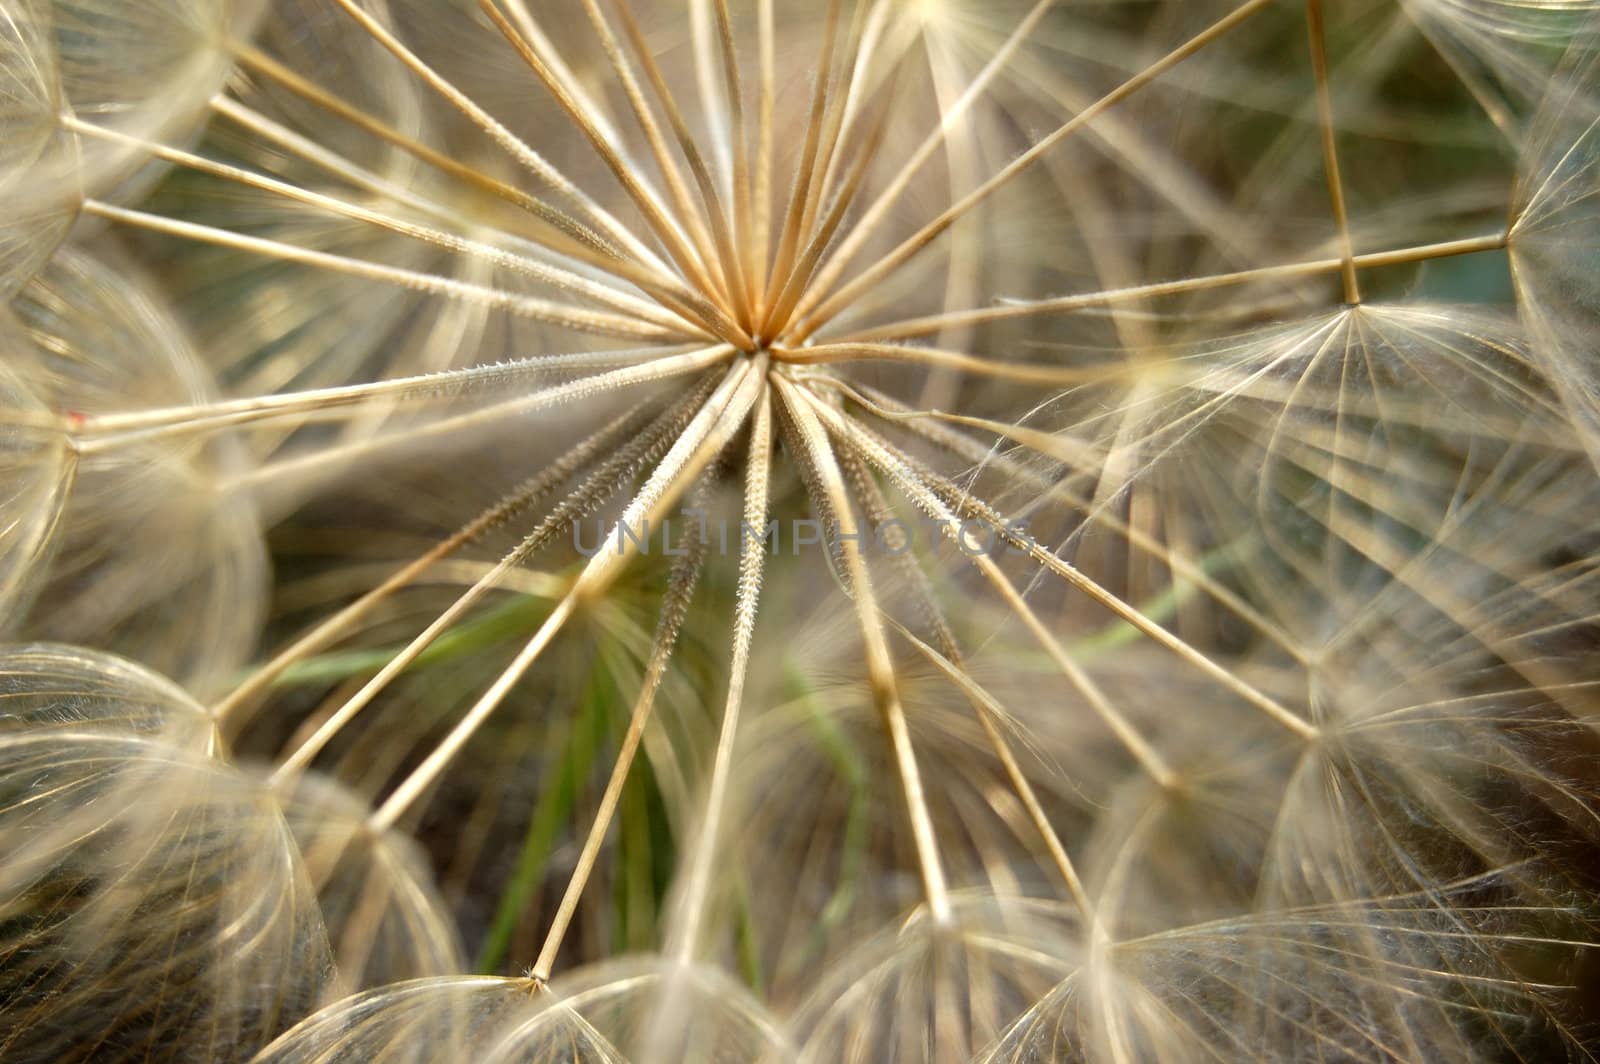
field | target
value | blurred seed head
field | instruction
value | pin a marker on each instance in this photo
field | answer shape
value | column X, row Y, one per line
column 154, row 905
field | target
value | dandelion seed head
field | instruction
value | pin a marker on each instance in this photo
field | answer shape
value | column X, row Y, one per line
column 1256, row 727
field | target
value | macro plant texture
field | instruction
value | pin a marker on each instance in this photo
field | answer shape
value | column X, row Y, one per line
column 860, row 531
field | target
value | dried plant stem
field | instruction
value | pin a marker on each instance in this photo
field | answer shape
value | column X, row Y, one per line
column 828, row 307
column 685, row 935
column 761, row 195
column 1077, row 454
column 688, row 307
column 107, row 431
column 701, row 441
column 715, row 212
column 560, row 222
column 912, row 327
column 871, row 53
column 504, row 138
column 823, row 354
column 674, row 611
column 934, row 495
column 329, row 460
column 800, row 274
column 601, row 482
column 563, row 280
column 1147, row 757
column 1330, row 149
column 626, row 174
column 989, row 712
column 812, row 442
column 949, row 660
column 553, row 313
column 677, row 186
column 550, row 54
column 951, row 117
column 850, row 65
column 566, row 235
column 742, row 266
column 789, row 228
column 515, row 502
